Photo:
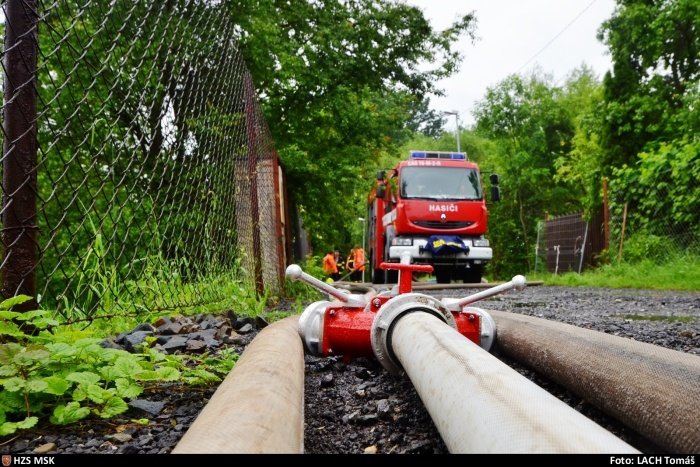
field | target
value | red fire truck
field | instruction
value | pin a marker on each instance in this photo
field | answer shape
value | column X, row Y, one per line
column 432, row 207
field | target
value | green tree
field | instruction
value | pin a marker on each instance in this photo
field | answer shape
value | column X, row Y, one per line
column 582, row 167
column 655, row 49
column 650, row 116
column 530, row 128
column 342, row 82
column 661, row 189
column 426, row 121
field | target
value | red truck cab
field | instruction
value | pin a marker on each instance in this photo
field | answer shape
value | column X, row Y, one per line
column 432, row 200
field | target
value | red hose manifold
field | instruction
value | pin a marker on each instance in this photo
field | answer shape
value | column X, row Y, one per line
column 343, row 327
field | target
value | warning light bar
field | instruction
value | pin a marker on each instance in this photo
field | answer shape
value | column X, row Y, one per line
column 438, row 155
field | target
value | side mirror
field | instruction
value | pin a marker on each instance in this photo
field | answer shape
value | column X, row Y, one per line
column 495, row 194
column 381, row 191
column 494, row 179
column 380, row 175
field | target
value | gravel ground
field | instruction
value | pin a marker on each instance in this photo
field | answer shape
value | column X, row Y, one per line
column 357, row 407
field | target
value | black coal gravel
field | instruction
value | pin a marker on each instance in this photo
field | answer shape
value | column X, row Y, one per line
column 357, row 407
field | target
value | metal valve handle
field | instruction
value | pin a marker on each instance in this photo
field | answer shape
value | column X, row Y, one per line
column 517, row 282
column 406, row 273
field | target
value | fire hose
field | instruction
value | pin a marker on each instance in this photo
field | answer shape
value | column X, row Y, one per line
column 478, row 403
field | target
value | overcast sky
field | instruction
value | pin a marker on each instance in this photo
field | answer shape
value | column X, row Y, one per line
column 514, row 36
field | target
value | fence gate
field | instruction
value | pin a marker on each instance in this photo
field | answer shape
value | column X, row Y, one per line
column 572, row 243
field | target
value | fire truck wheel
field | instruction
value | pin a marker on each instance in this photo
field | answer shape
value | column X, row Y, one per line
column 472, row 275
column 443, row 275
column 378, row 276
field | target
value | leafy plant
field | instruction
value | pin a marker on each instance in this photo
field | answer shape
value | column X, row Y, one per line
column 662, row 191
column 643, row 245
column 68, row 381
column 207, row 369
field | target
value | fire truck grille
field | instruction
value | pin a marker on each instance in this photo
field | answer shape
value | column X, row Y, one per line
column 443, row 225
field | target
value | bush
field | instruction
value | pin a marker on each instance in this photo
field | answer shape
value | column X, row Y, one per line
column 646, row 246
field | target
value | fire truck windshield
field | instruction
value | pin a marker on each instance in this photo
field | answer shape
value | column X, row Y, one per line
column 438, row 183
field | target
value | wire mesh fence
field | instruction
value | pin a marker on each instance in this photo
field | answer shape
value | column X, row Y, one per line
column 638, row 231
column 641, row 223
column 138, row 170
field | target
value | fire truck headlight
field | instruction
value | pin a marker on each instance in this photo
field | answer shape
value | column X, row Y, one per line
column 402, row 242
column 480, row 242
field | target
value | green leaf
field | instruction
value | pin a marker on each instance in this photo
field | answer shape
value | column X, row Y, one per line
column 8, row 352
column 43, row 323
column 109, row 373
column 83, row 377
column 9, row 315
column 61, row 350
column 56, row 385
column 12, row 301
column 12, row 401
column 7, row 428
column 69, row 413
column 99, row 395
column 27, row 423
column 147, row 375
column 167, row 373
column 127, row 389
column 7, row 370
column 9, row 328
column 127, row 367
column 87, row 342
column 199, row 376
column 37, row 385
column 155, row 356
column 112, row 355
column 97, row 352
column 80, row 393
column 29, row 315
column 114, row 406
column 32, row 357
column 14, row 384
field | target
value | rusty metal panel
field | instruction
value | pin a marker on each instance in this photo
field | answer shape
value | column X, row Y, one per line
column 564, row 238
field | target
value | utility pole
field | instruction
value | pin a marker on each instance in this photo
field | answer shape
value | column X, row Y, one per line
column 456, row 115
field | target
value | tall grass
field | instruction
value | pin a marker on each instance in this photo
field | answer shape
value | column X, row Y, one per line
column 677, row 272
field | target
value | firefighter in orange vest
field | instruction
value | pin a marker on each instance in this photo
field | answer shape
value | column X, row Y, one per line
column 358, row 263
column 330, row 267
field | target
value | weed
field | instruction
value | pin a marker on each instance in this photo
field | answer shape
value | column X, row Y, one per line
column 67, row 376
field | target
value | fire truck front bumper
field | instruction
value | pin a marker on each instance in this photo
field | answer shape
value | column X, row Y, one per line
column 476, row 254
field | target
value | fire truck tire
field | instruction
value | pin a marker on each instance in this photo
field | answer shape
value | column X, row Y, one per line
column 378, row 276
column 443, row 275
column 472, row 275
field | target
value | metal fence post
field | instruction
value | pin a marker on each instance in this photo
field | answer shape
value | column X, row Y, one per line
column 583, row 249
column 281, row 257
column 252, row 140
column 606, row 215
column 19, row 151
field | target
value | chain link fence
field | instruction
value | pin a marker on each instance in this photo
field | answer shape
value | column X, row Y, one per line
column 138, row 170
column 639, row 232
column 641, row 223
